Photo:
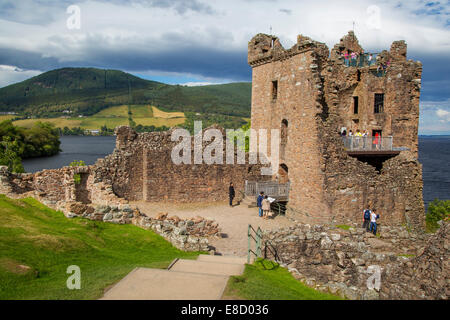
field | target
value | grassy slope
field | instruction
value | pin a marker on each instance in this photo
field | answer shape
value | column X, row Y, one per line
column 264, row 280
column 89, row 90
column 43, row 239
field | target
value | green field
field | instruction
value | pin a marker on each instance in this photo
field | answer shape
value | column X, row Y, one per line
column 113, row 117
column 265, row 280
column 5, row 117
column 38, row 244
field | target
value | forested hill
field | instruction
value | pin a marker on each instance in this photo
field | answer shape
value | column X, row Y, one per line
column 85, row 91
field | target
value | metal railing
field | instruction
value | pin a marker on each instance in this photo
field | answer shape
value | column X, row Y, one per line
column 279, row 207
column 360, row 60
column 356, row 143
column 256, row 236
column 268, row 246
column 270, row 188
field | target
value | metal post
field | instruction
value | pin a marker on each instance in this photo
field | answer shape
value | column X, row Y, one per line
column 258, row 243
column 249, row 244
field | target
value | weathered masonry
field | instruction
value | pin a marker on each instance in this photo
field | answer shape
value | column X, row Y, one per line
column 313, row 96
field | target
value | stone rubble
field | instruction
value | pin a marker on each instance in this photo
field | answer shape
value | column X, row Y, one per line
column 331, row 259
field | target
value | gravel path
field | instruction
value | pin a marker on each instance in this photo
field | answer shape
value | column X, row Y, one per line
column 232, row 221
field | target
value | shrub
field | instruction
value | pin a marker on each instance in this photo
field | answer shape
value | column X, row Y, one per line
column 77, row 176
column 437, row 210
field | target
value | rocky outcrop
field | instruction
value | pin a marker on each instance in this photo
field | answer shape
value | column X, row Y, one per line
column 343, row 262
column 425, row 277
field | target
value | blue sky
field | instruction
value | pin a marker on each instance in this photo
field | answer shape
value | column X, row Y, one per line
column 198, row 42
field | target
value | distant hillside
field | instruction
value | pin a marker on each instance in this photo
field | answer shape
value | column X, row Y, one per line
column 86, row 91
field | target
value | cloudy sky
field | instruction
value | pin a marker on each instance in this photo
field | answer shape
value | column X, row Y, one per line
column 205, row 41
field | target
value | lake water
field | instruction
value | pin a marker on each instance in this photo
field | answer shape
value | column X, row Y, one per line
column 434, row 154
column 88, row 149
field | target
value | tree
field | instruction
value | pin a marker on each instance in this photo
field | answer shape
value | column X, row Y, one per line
column 9, row 155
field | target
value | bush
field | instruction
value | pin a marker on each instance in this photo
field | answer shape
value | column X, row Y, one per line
column 77, row 176
column 9, row 155
column 437, row 210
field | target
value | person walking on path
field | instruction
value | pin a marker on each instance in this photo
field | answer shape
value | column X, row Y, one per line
column 259, row 203
column 231, row 193
column 366, row 222
column 373, row 221
column 266, row 207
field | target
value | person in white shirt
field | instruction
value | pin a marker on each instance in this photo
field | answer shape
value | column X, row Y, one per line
column 373, row 221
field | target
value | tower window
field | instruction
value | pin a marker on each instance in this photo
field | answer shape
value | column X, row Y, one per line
column 274, row 90
column 355, row 105
column 379, row 103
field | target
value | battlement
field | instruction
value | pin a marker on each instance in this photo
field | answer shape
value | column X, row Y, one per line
column 265, row 48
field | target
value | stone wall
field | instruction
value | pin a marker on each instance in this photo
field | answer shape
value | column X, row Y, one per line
column 189, row 235
column 312, row 92
column 141, row 168
column 339, row 261
column 96, row 201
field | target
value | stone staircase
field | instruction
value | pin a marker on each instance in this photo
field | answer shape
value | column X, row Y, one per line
column 201, row 279
column 249, row 201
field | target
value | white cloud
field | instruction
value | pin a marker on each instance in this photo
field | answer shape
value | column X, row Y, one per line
column 444, row 115
column 118, row 27
column 197, row 84
column 13, row 74
column 434, row 117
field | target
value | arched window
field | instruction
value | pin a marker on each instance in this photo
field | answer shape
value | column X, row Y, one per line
column 283, row 174
column 284, row 138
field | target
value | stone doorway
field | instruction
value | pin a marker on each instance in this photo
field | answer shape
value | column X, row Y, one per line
column 82, row 194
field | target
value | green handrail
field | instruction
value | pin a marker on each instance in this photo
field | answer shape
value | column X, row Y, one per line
column 257, row 240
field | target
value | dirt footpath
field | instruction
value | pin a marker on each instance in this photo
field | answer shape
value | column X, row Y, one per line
column 233, row 221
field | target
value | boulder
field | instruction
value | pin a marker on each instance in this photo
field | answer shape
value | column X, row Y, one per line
column 162, row 216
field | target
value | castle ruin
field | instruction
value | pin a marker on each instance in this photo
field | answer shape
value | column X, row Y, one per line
column 313, row 96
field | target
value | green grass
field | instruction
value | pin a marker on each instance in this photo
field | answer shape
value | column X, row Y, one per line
column 343, row 227
column 44, row 240
column 265, row 280
column 139, row 111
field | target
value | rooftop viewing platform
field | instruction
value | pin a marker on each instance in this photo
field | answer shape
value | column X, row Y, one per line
column 365, row 60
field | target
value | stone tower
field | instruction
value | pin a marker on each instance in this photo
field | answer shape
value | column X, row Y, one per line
column 313, row 96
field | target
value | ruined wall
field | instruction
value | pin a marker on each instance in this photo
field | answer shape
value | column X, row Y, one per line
column 338, row 261
column 314, row 93
column 141, row 168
